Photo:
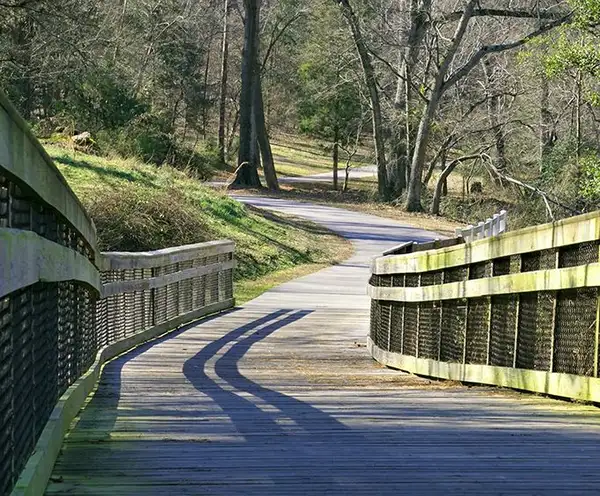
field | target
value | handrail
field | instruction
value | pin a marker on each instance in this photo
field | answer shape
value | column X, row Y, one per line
column 554, row 235
column 517, row 310
column 65, row 308
column 23, row 157
column 491, row 227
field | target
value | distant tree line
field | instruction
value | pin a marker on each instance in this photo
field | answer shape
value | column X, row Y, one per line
column 504, row 89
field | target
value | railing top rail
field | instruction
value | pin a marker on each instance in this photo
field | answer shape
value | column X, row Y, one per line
column 24, row 157
column 492, row 226
column 167, row 256
column 574, row 230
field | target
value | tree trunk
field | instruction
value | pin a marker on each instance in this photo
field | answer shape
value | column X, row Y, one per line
column 336, row 156
column 439, row 187
column 404, row 101
column 205, row 90
column 231, row 132
column 247, row 174
column 413, row 199
column 263, row 136
column 545, row 120
column 578, row 102
column 493, row 108
column 371, row 82
column 223, row 87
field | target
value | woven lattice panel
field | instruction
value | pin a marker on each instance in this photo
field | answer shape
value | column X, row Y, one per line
column 539, row 260
column 411, row 280
column 455, row 274
column 452, row 339
column 166, row 297
column 374, row 320
column 429, row 330
column 47, row 334
column 212, row 282
column 432, row 278
column 427, row 279
column 575, row 333
column 383, row 331
column 409, row 338
column 199, row 286
column 580, row 254
column 4, row 205
column 66, row 331
column 23, row 377
column 480, row 270
column 399, row 281
column 6, row 394
column 502, row 331
column 184, row 289
column 534, row 341
column 226, row 279
column 397, row 326
column 530, row 261
column 45, row 318
column 478, row 321
column 501, row 266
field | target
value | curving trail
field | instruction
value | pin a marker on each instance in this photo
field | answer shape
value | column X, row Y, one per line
column 280, row 398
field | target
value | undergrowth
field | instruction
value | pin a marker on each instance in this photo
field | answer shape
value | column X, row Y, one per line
column 139, row 207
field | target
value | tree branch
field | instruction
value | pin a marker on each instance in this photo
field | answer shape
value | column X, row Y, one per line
column 519, row 14
column 489, row 49
column 545, row 196
column 276, row 37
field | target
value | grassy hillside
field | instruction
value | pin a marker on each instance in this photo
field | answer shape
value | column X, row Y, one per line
column 298, row 155
column 142, row 207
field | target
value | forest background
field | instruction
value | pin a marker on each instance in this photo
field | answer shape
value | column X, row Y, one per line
column 465, row 107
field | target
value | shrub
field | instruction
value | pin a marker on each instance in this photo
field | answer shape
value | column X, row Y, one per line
column 147, row 137
column 135, row 219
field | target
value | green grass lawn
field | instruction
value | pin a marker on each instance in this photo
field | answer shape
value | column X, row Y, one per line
column 297, row 156
column 139, row 207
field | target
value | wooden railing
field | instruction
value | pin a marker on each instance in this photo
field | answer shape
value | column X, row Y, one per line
column 65, row 308
column 518, row 310
column 497, row 224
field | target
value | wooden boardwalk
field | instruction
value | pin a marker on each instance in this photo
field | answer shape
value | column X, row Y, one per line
column 280, row 398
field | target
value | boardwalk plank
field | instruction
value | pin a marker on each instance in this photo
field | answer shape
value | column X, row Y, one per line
column 280, row 398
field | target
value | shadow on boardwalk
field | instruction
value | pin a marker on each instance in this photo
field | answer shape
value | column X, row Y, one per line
column 422, row 444
column 291, row 428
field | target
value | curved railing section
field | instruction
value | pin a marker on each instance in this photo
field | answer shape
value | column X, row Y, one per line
column 48, row 288
column 519, row 310
column 66, row 309
column 157, row 291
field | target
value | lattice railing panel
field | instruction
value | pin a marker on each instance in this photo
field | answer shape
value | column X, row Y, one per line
column 575, row 334
column 51, row 332
column 503, row 330
column 397, row 327
column 525, row 300
column 429, row 330
column 478, row 321
column 453, row 328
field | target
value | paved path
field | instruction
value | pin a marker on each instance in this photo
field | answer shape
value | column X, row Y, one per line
column 369, row 171
column 280, row 398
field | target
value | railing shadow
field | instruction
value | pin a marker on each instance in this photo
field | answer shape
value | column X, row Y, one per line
column 108, row 392
column 281, row 444
column 241, row 399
